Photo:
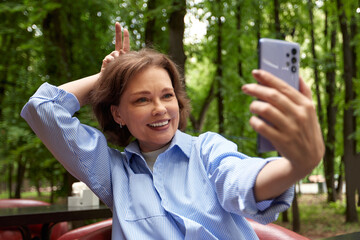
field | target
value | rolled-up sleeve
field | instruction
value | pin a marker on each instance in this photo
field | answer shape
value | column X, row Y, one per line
column 233, row 176
column 81, row 149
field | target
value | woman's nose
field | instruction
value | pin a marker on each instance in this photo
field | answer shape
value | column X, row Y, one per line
column 159, row 108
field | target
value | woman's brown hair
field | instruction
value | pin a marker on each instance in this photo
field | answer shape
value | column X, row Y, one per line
column 113, row 82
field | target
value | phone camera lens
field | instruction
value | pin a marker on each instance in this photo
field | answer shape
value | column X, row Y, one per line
column 293, row 69
column 293, row 60
column 294, row 51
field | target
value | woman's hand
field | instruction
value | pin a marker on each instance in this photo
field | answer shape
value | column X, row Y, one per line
column 122, row 46
column 294, row 129
column 82, row 87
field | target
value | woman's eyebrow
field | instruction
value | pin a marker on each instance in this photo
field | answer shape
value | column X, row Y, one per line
column 144, row 92
column 168, row 89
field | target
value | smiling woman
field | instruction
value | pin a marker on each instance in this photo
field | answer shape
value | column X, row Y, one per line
column 149, row 108
column 168, row 184
column 132, row 82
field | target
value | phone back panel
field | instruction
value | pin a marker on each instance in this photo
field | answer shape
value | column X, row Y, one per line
column 280, row 58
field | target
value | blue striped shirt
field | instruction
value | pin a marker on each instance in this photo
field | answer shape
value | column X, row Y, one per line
column 200, row 188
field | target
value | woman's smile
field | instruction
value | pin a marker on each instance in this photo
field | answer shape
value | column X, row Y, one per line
column 159, row 124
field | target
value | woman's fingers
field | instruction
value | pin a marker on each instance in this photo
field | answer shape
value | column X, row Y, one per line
column 109, row 58
column 118, row 37
column 122, row 43
column 287, row 117
column 269, row 80
column 126, row 46
column 270, row 95
column 270, row 114
column 278, row 93
column 304, row 89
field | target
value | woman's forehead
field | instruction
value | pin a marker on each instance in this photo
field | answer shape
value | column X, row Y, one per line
column 149, row 78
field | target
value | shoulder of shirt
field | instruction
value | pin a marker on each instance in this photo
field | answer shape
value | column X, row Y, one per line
column 186, row 141
column 211, row 137
column 211, row 141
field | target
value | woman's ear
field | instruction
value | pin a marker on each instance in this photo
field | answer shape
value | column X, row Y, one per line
column 116, row 114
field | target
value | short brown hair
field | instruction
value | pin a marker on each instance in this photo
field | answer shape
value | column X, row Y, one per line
column 113, row 82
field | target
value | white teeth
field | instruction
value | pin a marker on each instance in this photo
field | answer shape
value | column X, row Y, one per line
column 159, row 124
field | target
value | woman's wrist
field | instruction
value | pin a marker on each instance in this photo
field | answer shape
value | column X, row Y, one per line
column 81, row 88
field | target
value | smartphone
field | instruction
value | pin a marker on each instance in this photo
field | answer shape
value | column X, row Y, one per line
column 282, row 59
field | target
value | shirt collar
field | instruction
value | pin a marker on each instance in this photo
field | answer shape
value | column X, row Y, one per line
column 182, row 140
column 131, row 149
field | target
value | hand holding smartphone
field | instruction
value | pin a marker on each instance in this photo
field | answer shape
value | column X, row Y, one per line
column 280, row 58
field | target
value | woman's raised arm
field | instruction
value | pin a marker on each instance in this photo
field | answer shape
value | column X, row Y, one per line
column 82, row 87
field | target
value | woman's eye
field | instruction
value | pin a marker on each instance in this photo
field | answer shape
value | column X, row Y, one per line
column 168, row 95
column 141, row 100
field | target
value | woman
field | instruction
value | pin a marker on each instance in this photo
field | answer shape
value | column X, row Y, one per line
column 167, row 184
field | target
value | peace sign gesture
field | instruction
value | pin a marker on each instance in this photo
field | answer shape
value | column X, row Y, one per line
column 122, row 45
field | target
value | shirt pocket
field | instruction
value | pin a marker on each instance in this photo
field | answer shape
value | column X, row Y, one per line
column 144, row 201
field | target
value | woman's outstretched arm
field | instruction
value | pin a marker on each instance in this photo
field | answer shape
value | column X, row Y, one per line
column 294, row 131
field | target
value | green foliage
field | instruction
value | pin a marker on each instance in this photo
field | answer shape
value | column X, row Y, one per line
column 58, row 41
column 45, row 41
column 133, row 15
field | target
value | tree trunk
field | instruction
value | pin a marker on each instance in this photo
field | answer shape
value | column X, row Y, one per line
column 331, row 110
column 278, row 32
column 198, row 123
column 350, row 158
column 2, row 92
column 258, row 23
column 315, row 64
column 10, row 176
column 340, row 180
column 285, row 216
column 56, row 48
column 296, row 214
column 219, row 72
column 19, row 177
column 150, row 24
column 277, row 19
column 52, row 198
column 238, row 29
column 176, row 30
column 353, row 36
column 68, row 180
column 37, row 186
column 7, row 43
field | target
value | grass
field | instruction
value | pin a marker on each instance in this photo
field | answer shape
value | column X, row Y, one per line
column 320, row 220
column 45, row 196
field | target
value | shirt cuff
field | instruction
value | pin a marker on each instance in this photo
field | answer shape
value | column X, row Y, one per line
column 268, row 211
column 54, row 94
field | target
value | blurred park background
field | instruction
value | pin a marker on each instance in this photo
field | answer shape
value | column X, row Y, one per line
column 214, row 43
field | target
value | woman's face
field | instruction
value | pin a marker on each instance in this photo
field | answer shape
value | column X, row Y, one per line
column 149, row 108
